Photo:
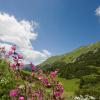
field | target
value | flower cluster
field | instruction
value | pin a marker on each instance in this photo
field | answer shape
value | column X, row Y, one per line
column 36, row 85
column 58, row 90
column 17, row 59
column 13, row 93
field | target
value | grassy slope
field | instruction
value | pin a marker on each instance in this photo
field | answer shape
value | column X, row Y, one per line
column 69, row 57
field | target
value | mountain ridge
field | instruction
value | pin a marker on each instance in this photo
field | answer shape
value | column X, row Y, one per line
column 70, row 56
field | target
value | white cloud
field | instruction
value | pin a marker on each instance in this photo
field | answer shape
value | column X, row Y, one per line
column 97, row 11
column 13, row 31
column 34, row 55
column 46, row 52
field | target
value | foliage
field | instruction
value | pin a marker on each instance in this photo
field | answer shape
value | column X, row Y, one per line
column 6, row 80
column 90, row 84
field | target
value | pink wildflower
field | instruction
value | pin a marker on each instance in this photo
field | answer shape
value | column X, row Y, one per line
column 13, row 65
column 10, row 52
column 57, row 94
column 13, row 93
column 15, row 59
column 60, row 88
column 21, row 98
column 40, row 77
column 53, row 74
column 13, row 47
column 32, row 66
column 48, row 85
column 20, row 56
column 45, row 81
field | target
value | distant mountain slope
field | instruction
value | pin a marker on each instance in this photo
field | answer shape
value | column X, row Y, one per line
column 71, row 56
column 27, row 67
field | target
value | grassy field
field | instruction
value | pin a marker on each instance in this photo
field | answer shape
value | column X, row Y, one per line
column 69, row 86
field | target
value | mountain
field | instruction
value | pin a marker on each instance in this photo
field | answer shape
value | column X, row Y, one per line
column 71, row 56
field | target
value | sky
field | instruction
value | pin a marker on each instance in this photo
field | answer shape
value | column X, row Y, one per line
column 42, row 28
